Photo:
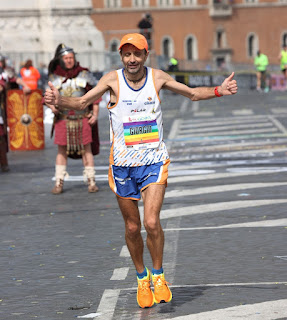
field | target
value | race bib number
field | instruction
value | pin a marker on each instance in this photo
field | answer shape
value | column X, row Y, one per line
column 141, row 132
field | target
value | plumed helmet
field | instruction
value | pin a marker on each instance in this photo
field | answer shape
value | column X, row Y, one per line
column 62, row 50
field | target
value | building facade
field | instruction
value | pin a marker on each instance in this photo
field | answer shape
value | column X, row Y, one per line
column 201, row 34
column 32, row 29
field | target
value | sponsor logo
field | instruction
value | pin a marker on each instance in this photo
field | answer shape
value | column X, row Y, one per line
column 138, row 110
column 149, row 101
column 139, row 118
column 128, row 102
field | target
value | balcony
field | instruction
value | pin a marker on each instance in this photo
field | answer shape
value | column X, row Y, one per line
column 220, row 8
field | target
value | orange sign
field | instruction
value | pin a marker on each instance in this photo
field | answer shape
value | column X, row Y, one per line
column 25, row 120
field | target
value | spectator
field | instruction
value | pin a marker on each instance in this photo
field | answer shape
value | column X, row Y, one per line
column 261, row 63
column 8, row 80
column 283, row 62
column 145, row 26
column 173, row 64
column 30, row 75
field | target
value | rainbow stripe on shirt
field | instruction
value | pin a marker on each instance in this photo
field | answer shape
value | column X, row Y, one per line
column 140, row 132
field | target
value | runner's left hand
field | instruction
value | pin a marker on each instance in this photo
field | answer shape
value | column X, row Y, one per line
column 228, row 86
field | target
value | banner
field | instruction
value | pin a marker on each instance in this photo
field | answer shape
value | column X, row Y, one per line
column 25, row 120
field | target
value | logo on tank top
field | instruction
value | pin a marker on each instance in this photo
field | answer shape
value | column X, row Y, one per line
column 138, row 110
column 149, row 101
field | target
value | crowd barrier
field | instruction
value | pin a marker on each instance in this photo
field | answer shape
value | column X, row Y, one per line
column 210, row 79
column 245, row 80
column 278, row 82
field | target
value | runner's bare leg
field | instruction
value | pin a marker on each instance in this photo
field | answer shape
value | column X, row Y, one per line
column 134, row 241
column 153, row 198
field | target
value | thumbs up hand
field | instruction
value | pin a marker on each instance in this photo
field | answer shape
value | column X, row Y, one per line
column 52, row 95
column 228, row 86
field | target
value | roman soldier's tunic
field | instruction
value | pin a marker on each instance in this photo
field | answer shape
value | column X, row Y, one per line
column 71, row 126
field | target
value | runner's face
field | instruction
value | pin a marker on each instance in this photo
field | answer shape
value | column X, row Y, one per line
column 69, row 60
column 133, row 58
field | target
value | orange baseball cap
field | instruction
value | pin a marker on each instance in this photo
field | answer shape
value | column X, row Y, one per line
column 136, row 39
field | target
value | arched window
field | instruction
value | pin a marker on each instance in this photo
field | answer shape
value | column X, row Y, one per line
column 219, row 39
column 284, row 39
column 113, row 52
column 189, row 47
column 166, row 48
column 191, row 53
column 252, row 45
column 114, row 46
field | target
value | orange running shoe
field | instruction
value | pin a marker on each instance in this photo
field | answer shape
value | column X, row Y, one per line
column 145, row 296
column 162, row 292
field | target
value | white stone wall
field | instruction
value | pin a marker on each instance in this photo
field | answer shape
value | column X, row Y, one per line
column 32, row 29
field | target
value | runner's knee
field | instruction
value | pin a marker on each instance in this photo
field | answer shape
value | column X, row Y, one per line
column 152, row 225
column 132, row 228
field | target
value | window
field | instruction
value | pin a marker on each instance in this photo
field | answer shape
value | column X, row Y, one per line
column 251, row 1
column 219, row 39
column 186, row 3
column 252, row 45
column 114, row 46
column 140, row 3
column 167, row 47
column 189, row 46
column 113, row 3
column 164, row 3
column 191, row 52
column 220, row 62
column 284, row 39
column 113, row 53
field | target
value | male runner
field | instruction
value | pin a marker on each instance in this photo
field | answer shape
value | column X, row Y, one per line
column 139, row 158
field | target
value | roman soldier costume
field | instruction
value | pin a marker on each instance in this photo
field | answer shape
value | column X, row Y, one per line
column 7, row 81
column 71, row 126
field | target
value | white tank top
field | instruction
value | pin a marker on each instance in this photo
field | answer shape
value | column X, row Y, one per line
column 136, row 124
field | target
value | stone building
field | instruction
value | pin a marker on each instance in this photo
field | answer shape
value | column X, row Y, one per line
column 201, row 34
column 32, row 29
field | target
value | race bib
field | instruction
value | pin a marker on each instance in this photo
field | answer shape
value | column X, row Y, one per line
column 141, row 132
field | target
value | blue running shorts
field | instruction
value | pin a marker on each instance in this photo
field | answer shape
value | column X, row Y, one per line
column 128, row 182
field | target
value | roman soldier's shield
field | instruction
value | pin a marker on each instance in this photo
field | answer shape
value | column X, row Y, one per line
column 25, row 120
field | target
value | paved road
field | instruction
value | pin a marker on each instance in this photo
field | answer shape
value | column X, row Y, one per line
column 64, row 257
